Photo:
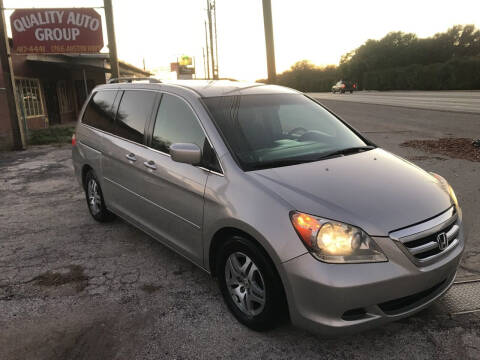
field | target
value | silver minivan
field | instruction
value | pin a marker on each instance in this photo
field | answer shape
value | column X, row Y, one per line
column 295, row 213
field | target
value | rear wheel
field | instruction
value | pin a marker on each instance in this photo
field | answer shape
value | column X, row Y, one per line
column 250, row 284
column 95, row 201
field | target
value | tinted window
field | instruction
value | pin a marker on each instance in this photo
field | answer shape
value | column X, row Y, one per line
column 134, row 110
column 277, row 130
column 176, row 123
column 99, row 113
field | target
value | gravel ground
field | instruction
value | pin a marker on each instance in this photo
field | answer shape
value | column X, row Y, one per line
column 71, row 288
column 458, row 148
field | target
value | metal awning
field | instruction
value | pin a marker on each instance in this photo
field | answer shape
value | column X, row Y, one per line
column 92, row 61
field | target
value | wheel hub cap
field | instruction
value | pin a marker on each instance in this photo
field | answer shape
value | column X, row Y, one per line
column 94, row 199
column 245, row 284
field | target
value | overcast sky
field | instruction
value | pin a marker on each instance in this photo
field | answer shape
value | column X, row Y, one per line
column 316, row 30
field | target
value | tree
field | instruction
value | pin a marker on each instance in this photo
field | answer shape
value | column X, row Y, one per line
column 448, row 60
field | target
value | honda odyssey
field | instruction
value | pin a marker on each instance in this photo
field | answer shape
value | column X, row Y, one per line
column 294, row 212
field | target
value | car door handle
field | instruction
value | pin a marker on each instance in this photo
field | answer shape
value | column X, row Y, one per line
column 131, row 157
column 150, row 164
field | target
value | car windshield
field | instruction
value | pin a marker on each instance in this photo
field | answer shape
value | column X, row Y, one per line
column 265, row 131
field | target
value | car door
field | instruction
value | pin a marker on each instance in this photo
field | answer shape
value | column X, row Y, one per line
column 176, row 190
column 125, row 153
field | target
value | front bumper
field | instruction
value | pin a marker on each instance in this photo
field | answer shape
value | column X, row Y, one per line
column 339, row 298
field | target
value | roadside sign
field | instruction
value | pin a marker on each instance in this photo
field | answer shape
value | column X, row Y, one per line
column 56, row 31
column 185, row 60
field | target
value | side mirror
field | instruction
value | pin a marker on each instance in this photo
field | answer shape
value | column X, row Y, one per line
column 186, row 153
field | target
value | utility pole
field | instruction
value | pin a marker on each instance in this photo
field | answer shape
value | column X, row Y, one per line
column 206, row 49
column 19, row 142
column 270, row 47
column 215, row 28
column 209, row 11
column 112, row 45
column 204, row 64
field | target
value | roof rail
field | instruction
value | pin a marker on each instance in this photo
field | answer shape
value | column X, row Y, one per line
column 132, row 79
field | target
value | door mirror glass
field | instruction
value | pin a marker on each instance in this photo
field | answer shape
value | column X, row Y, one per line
column 186, row 153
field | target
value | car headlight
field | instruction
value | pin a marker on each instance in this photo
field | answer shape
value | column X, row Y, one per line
column 447, row 188
column 335, row 242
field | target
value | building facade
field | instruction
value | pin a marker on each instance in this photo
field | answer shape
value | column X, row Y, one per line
column 51, row 89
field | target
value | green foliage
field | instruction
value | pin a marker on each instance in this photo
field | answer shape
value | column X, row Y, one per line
column 51, row 135
column 399, row 61
column 307, row 77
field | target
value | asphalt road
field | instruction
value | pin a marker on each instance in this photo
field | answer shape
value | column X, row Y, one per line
column 71, row 288
column 457, row 101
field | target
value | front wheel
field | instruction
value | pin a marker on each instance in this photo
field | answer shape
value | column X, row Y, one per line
column 250, row 284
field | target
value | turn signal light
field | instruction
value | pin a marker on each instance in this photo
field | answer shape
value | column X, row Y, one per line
column 74, row 140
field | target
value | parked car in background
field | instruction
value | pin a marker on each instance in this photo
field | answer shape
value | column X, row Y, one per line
column 294, row 212
column 343, row 86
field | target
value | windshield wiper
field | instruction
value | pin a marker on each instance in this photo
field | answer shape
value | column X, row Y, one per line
column 302, row 160
column 346, row 151
column 282, row 162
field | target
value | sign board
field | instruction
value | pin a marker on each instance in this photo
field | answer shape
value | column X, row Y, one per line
column 186, row 70
column 56, row 31
column 185, row 60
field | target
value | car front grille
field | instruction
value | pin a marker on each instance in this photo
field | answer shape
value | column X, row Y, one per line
column 426, row 241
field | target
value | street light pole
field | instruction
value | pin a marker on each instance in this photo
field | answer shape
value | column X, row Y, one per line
column 270, row 48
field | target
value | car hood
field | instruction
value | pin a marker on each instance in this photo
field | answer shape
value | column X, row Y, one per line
column 374, row 190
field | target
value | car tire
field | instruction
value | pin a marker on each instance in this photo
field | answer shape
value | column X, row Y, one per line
column 95, row 200
column 263, row 305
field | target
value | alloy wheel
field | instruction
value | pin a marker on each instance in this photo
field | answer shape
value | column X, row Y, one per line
column 245, row 284
column 94, row 197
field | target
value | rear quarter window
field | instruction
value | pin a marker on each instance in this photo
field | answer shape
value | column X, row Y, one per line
column 99, row 112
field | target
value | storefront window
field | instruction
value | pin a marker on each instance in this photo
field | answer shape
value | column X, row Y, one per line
column 30, row 92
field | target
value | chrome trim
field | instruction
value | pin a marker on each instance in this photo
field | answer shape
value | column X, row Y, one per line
column 453, row 232
column 211, row 171
column 151, row 202
column 425, row 228
column 419, row 231
column 443, row 252
column 423, row 248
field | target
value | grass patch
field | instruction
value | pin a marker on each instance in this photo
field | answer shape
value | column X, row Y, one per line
column 51, row 135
